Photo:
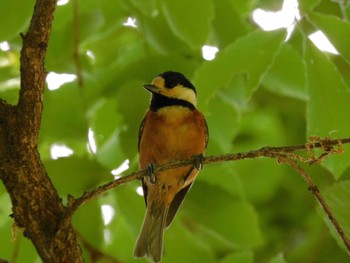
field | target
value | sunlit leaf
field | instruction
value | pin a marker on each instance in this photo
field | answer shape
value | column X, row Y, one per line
column 308, row 5
column 238, row 220
column 107, row 125
column 73, row 175
column 89, row 224
column 159, row 35
column 242, row 211
column 228, row 24
column 340, row 37
column 63, row 119
column 190, row 20
column 222, row 130
column 278, row 259
column 287, row 75
column 239, row 60
column 337, row 196
column 239, row 257
column 17, row 14
column 192, row 248
column 243, row 7
column 328, row 106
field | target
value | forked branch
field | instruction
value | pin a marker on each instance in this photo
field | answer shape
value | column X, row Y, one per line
column 285, row 154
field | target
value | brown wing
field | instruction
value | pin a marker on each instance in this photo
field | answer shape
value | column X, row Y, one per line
column 144, row 186
column 141, row 132
column 175, row 204
column 206, row 132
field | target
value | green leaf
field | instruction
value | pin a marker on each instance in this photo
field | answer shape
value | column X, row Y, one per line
column 239, row 257
column 328, row 105
column 239, row 60
column 104, row 119
column 63, row 119
column 243, row 7
column 145, row 7
column 107, row 125
column 338, row 196
column 161, row 37
column 192, row 248
column 190, row 20
column 88, row 223
column 16, row 15
column 119, row 235
column 74, row 175
column 223, row 130
column 9, row 247
column 229, row 179
column 218, row 210
column 132, row 93
column 336, row 29
column 228, row 24
column 260, row 186
column 131, row 206
column 278, row 259
column 278, row 79
column 308, row 5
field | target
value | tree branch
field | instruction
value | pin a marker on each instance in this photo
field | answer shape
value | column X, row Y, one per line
column 95, row 254
column 316, row 192
column 36, row 206
column 285, row 154
column 76, row 34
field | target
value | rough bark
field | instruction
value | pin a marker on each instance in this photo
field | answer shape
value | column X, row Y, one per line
column 36, row 206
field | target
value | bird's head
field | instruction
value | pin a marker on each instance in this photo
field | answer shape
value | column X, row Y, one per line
column 173, row 85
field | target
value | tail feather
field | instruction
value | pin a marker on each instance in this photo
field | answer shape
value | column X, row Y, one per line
column 150, row 240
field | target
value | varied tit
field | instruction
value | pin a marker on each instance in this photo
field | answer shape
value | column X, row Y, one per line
column 172, row 130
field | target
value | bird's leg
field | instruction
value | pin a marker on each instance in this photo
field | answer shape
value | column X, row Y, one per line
column 198, row 161
column 150, row 173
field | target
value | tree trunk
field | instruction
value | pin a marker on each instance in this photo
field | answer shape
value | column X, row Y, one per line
column 36, row 206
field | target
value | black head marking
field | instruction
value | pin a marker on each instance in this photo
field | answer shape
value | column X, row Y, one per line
column 173, row 78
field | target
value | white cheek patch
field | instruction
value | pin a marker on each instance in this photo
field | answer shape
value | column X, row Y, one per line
column 186, row 94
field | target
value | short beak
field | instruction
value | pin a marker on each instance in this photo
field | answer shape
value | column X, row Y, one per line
column 151, row 88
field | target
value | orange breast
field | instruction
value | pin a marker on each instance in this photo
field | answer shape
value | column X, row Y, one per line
column 170, row 134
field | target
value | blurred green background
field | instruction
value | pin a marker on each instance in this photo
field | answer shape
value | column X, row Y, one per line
column 262, row 88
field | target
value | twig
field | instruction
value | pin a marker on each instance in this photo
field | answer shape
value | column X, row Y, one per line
column 95, row 254
column 76, row 33
column 316, row 192
column 270, row 152
column 17, row 240
column 284, row 154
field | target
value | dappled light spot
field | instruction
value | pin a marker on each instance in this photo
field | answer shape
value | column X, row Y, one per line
column 139, row 191
column 121, row 168
column 92, row 142
column 130, row 22
column 107, row 213
column 209, row 52
column 4, row 46
column 59, row 151
column 55, row 80
column 322, row 42
column 62, row 2
column 284, row 18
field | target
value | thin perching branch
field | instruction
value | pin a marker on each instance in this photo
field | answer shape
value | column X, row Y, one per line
column 284, row 154
column 316, row 192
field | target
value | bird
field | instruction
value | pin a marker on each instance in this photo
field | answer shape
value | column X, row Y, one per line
column 172, row 129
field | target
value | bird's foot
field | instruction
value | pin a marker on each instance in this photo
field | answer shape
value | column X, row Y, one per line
column 198, row 161
column 150, row 173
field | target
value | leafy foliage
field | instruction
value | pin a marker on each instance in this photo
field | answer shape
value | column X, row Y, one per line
column 259, row 90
